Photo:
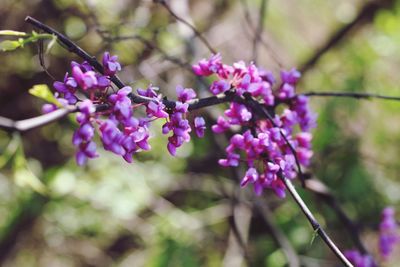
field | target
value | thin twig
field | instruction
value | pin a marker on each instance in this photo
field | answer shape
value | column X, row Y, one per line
column 351, row 95
column 270, row 50
column 314, row 223
column 196, row 32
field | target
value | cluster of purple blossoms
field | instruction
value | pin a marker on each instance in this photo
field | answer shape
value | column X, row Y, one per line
column 177, row 122
column 120, row 132
column 388, row 232
column 359, row 260
column 266, row 149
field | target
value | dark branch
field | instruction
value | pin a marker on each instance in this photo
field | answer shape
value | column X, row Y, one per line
column 351, row 95
column 74, row 48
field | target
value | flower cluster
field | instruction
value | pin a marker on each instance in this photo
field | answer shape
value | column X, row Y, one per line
column 177, row 122
column 266, row 149
column 120, row 131
column 270, row 146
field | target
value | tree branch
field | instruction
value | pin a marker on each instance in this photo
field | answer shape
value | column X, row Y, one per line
column 24, row 125
column 351, row 95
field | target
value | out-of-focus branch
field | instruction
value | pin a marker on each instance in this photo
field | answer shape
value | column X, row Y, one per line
column 260, row 28
column 195, row 31
column 277, row 234
column 261, row 40
column 237, row 240
column 262, row 208
column 365, row 15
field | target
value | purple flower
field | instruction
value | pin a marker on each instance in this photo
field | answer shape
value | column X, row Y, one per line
column 83, row 134
column 179, row 126
column 67, row 88
column 122, row 105
column 221, row 126
column 112, row 137
column 157, row 109
column 149, row 92
column 290, row 77
column 359, row 260
column 207, row 67
column 388, row 232
column 103, row 82
column 251, row 176
column 199, row 126
column 86, row 150
column 238, row 113
column 86, row 80
column 231, row 160
column 219, row 86
column 47, row 108
column 185, row 94
column 110, row 64
column 86, row 108
column 306, row 118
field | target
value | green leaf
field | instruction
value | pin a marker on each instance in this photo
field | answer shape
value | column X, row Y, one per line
column 42, row 91
column 315, row 234
column 8, row 45
column 12, row 33
column 51, row 44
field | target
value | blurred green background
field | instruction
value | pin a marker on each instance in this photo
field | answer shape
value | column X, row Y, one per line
column 188, row 211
